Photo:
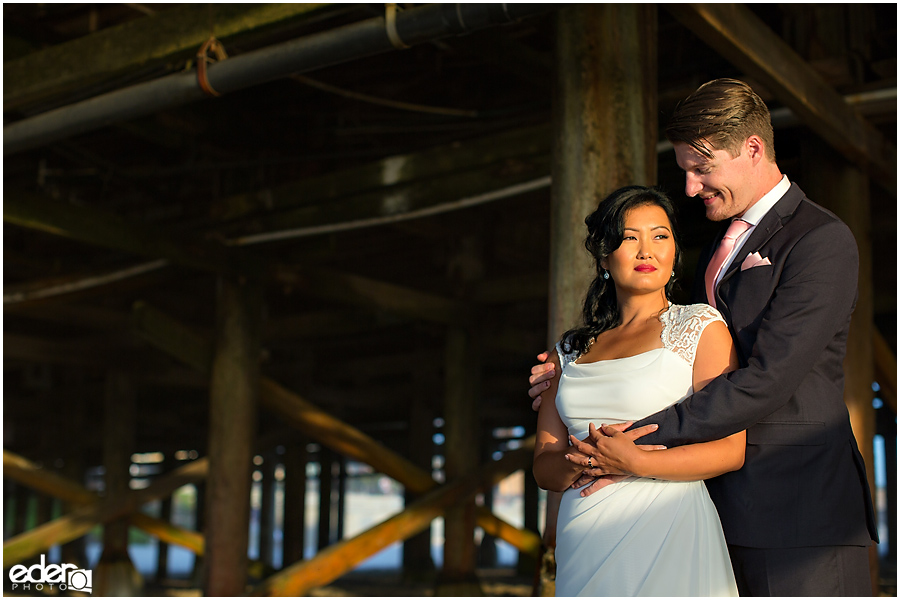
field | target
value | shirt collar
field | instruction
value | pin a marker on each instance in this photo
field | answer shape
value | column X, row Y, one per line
column 756, row 212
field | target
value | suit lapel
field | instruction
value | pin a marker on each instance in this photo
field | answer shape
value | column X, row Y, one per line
column 767, row 227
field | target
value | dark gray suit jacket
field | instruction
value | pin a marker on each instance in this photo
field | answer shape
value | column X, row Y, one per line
column 803, row 482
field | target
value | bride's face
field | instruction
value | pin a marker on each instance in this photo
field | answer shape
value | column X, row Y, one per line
column 644, row 261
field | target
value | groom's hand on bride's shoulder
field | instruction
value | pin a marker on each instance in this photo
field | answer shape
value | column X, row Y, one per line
column 541, row 374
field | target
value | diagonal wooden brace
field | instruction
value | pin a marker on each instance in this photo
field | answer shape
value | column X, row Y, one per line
column 337, row 559
column 82, row 520
column 170, row 336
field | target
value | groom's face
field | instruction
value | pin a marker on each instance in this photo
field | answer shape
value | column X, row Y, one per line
column 723, row 182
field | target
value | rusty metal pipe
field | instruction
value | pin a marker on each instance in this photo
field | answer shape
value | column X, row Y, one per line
column 343, row 44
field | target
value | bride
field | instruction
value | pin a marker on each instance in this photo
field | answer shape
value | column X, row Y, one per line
column 655, row 533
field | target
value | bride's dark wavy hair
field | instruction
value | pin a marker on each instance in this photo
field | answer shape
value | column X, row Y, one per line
column 606, row 227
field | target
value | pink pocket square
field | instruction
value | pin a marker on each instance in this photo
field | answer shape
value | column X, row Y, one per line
column 754, row 260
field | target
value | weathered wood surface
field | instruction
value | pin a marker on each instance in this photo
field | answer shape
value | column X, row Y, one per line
column 105, row 229
column 28, row 473
column 606, row 132
column 339, row 558
column 170, row 336
column 234, row 392
column 370, row 293
column 497, row 157
column 741, row 37
column 109, row 351
column 24, row 471
column 187, row 346
column 82, row 520
column 523, row 540
column 171, row 35
column 462, row 377
column 82, row 285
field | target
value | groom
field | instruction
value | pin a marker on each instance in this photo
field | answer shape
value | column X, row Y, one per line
column 798, row 516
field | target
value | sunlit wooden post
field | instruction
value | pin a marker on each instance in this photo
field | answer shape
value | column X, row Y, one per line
column 605, row 128
column 234, row 396
column 844, row 189
column 115, row 575
column 294, row 502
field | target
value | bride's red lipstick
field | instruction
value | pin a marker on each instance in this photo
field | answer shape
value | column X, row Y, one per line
column 645, row 268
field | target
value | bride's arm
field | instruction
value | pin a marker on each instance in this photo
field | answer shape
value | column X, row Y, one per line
column 551, row 469
column 715, row 355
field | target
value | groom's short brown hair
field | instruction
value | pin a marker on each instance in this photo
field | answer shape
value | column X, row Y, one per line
column 722, row 113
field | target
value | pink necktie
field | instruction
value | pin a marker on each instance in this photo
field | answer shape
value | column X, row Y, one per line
column 735, row 230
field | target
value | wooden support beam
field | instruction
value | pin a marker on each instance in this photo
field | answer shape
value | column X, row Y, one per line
column 380, row 181
column 170, row 534
column 328, row 565
column 82, row 520
column 741, row 37
column 441, row 193
column 606, row 130
column 99, row 352
column 605, row 100
column 107, row 230
column 115, row 574
column 28, row 473
column 170, row 336
column 187, row 346
column 523, row 540
column 169, row 36
column 82, row 285
column 234, row 397
column 461, row 452
column 370, row 293
column 104, row 229
column 885, row 369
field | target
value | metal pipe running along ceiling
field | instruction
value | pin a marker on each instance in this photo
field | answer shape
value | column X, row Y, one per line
column 350, row 42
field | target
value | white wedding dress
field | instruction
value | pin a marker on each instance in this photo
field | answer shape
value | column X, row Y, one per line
column 639, row 537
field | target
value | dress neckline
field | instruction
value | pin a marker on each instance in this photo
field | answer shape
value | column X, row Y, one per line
column 662, row 332
column 609, row 360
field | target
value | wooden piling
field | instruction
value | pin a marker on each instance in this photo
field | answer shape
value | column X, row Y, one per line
column 605, row 128
column 294, row 502
column 234, row 396
column 115, row 574
column 457, row 576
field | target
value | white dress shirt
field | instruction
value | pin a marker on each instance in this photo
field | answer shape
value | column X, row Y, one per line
column 753, row 216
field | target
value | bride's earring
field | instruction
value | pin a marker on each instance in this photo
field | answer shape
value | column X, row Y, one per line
column 605, row 274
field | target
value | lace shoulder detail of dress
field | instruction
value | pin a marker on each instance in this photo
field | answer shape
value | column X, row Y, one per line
column 566, row 354
column 683, row 326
